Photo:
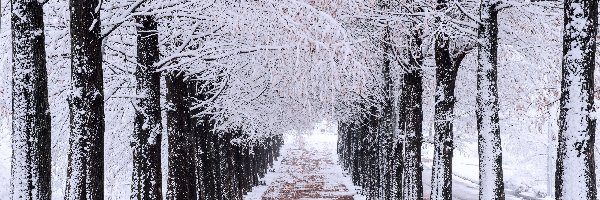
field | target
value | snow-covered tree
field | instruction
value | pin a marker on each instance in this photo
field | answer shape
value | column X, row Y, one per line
column 146, row 144
column 449, row 53
column 31, row 143
column 85, row 171
column 491, row 182
column 575, row 168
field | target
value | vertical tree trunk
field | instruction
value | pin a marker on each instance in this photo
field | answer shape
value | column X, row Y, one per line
column 491, row 185
column 575, row 170
column 147, row 175
column 85, row 172
column 413, row 168
column 31, row 143
column 441, row 183
column 446, row 72
column 202, row 127
column 387, row 118
column 181, row 167
column 412, row 92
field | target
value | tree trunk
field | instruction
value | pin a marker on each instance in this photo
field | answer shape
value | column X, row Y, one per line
column 575, row 170
column 446, row 72
column 181, row 166
column 31, row 143
column 147, row 175
column 491, row 184
column 85, row 172
column 413, row 116
column 412, row 92
column 441, row 183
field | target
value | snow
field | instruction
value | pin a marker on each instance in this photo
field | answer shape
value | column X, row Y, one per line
column 321, row 146
column 5, row 158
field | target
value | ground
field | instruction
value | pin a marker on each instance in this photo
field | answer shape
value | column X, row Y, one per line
column 307, row 169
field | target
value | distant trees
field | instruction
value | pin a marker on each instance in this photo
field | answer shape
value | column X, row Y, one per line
column 85, row 172
column 31, row 143
column 575, row 168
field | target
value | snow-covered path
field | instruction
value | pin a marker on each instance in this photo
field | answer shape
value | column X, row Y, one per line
column 307, row 169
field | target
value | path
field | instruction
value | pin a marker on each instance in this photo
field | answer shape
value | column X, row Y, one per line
column 308, row 170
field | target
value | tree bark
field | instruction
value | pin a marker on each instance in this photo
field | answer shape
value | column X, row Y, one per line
column 181, row 166
column 446, row 71
column 85, row 172
column 413, row 167
column 31, row 160
column 441, row 183
column 491, row 185
column 412, row 92
column 575, row 167
column 147, row 175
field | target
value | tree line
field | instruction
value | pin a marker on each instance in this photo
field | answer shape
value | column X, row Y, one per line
column 381, row 145
column 204, row 163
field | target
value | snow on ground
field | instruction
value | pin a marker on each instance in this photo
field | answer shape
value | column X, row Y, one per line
column 465, row 180
column 307, row 169
column 5, row 156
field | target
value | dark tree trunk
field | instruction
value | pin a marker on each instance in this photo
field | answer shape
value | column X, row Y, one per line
column 411, row 97
column 147, row 175
column 413, row 114
column 387, row 119
column 85, row 172
column 575, row 167
column 490, row 152
column 446, row 71
column 181, row 179
column 31, row 143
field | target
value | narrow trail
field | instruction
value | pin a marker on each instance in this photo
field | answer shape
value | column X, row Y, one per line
column 308, row 170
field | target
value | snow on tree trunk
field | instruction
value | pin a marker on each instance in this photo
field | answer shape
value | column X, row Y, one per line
column 31, row 159
column 202, row 125
column 387, row 119
column 413, row 168
column 575, row 170
column 147, row 176
column 446, row 71
column 85, row 172
column 491, row 185
column 181, row 179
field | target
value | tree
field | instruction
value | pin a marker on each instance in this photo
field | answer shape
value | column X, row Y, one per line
column 181, row 180
column 147, row 175
column 491, row 185
column 412, row 114
column 85, row 172
column 31, row 160
column 575, row 168
column 412, row 90
column 447, row 64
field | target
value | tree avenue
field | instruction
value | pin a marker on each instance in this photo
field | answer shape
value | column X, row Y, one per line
column 189, row 99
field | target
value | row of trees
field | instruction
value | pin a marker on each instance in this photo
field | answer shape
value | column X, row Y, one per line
column 204, row 162
column 387, row 162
